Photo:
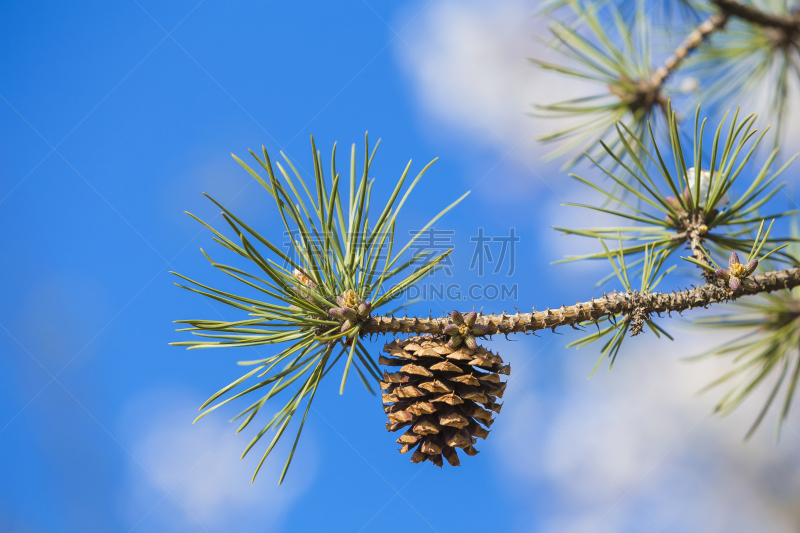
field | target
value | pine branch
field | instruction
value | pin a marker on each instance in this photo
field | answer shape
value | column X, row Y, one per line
column 755, row 61
column 789, row 24
column 627, row 303
column 696, row 38
column 632, row 87
column 343, row 266
column 696, row 245
column 695, row 236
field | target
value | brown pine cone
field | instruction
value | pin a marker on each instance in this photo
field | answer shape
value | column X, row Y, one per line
column 445, row 397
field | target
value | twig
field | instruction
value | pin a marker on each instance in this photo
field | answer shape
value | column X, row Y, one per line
column 696, row 38
column 648, row 91
column 609, row 304
column 695, row 244
column 789, row 24
column 695, row 240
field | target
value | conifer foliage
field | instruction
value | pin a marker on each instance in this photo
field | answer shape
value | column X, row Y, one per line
column 685, row 191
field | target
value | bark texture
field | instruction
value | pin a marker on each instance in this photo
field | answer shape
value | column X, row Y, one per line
column 648, row 91
column 790, row 23
column 694, row 39
column 627, row 303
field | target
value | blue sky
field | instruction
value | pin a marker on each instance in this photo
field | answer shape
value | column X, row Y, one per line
column 116, row 116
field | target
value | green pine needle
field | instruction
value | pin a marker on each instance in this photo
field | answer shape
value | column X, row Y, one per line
column 334, row 251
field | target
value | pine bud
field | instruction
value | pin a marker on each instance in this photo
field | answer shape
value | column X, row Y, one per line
column 343, row 313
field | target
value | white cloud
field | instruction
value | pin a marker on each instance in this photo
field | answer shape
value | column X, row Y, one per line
column 467, row 61
column 642, row 429
column 199, row 463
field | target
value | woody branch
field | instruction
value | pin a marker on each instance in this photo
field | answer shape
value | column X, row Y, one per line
column 693, row 40
column 789, row 24
column 610, row 304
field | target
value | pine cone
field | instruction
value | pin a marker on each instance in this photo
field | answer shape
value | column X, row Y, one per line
column 437, row 392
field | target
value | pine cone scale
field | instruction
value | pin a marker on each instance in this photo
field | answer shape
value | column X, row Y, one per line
column 444, row 398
